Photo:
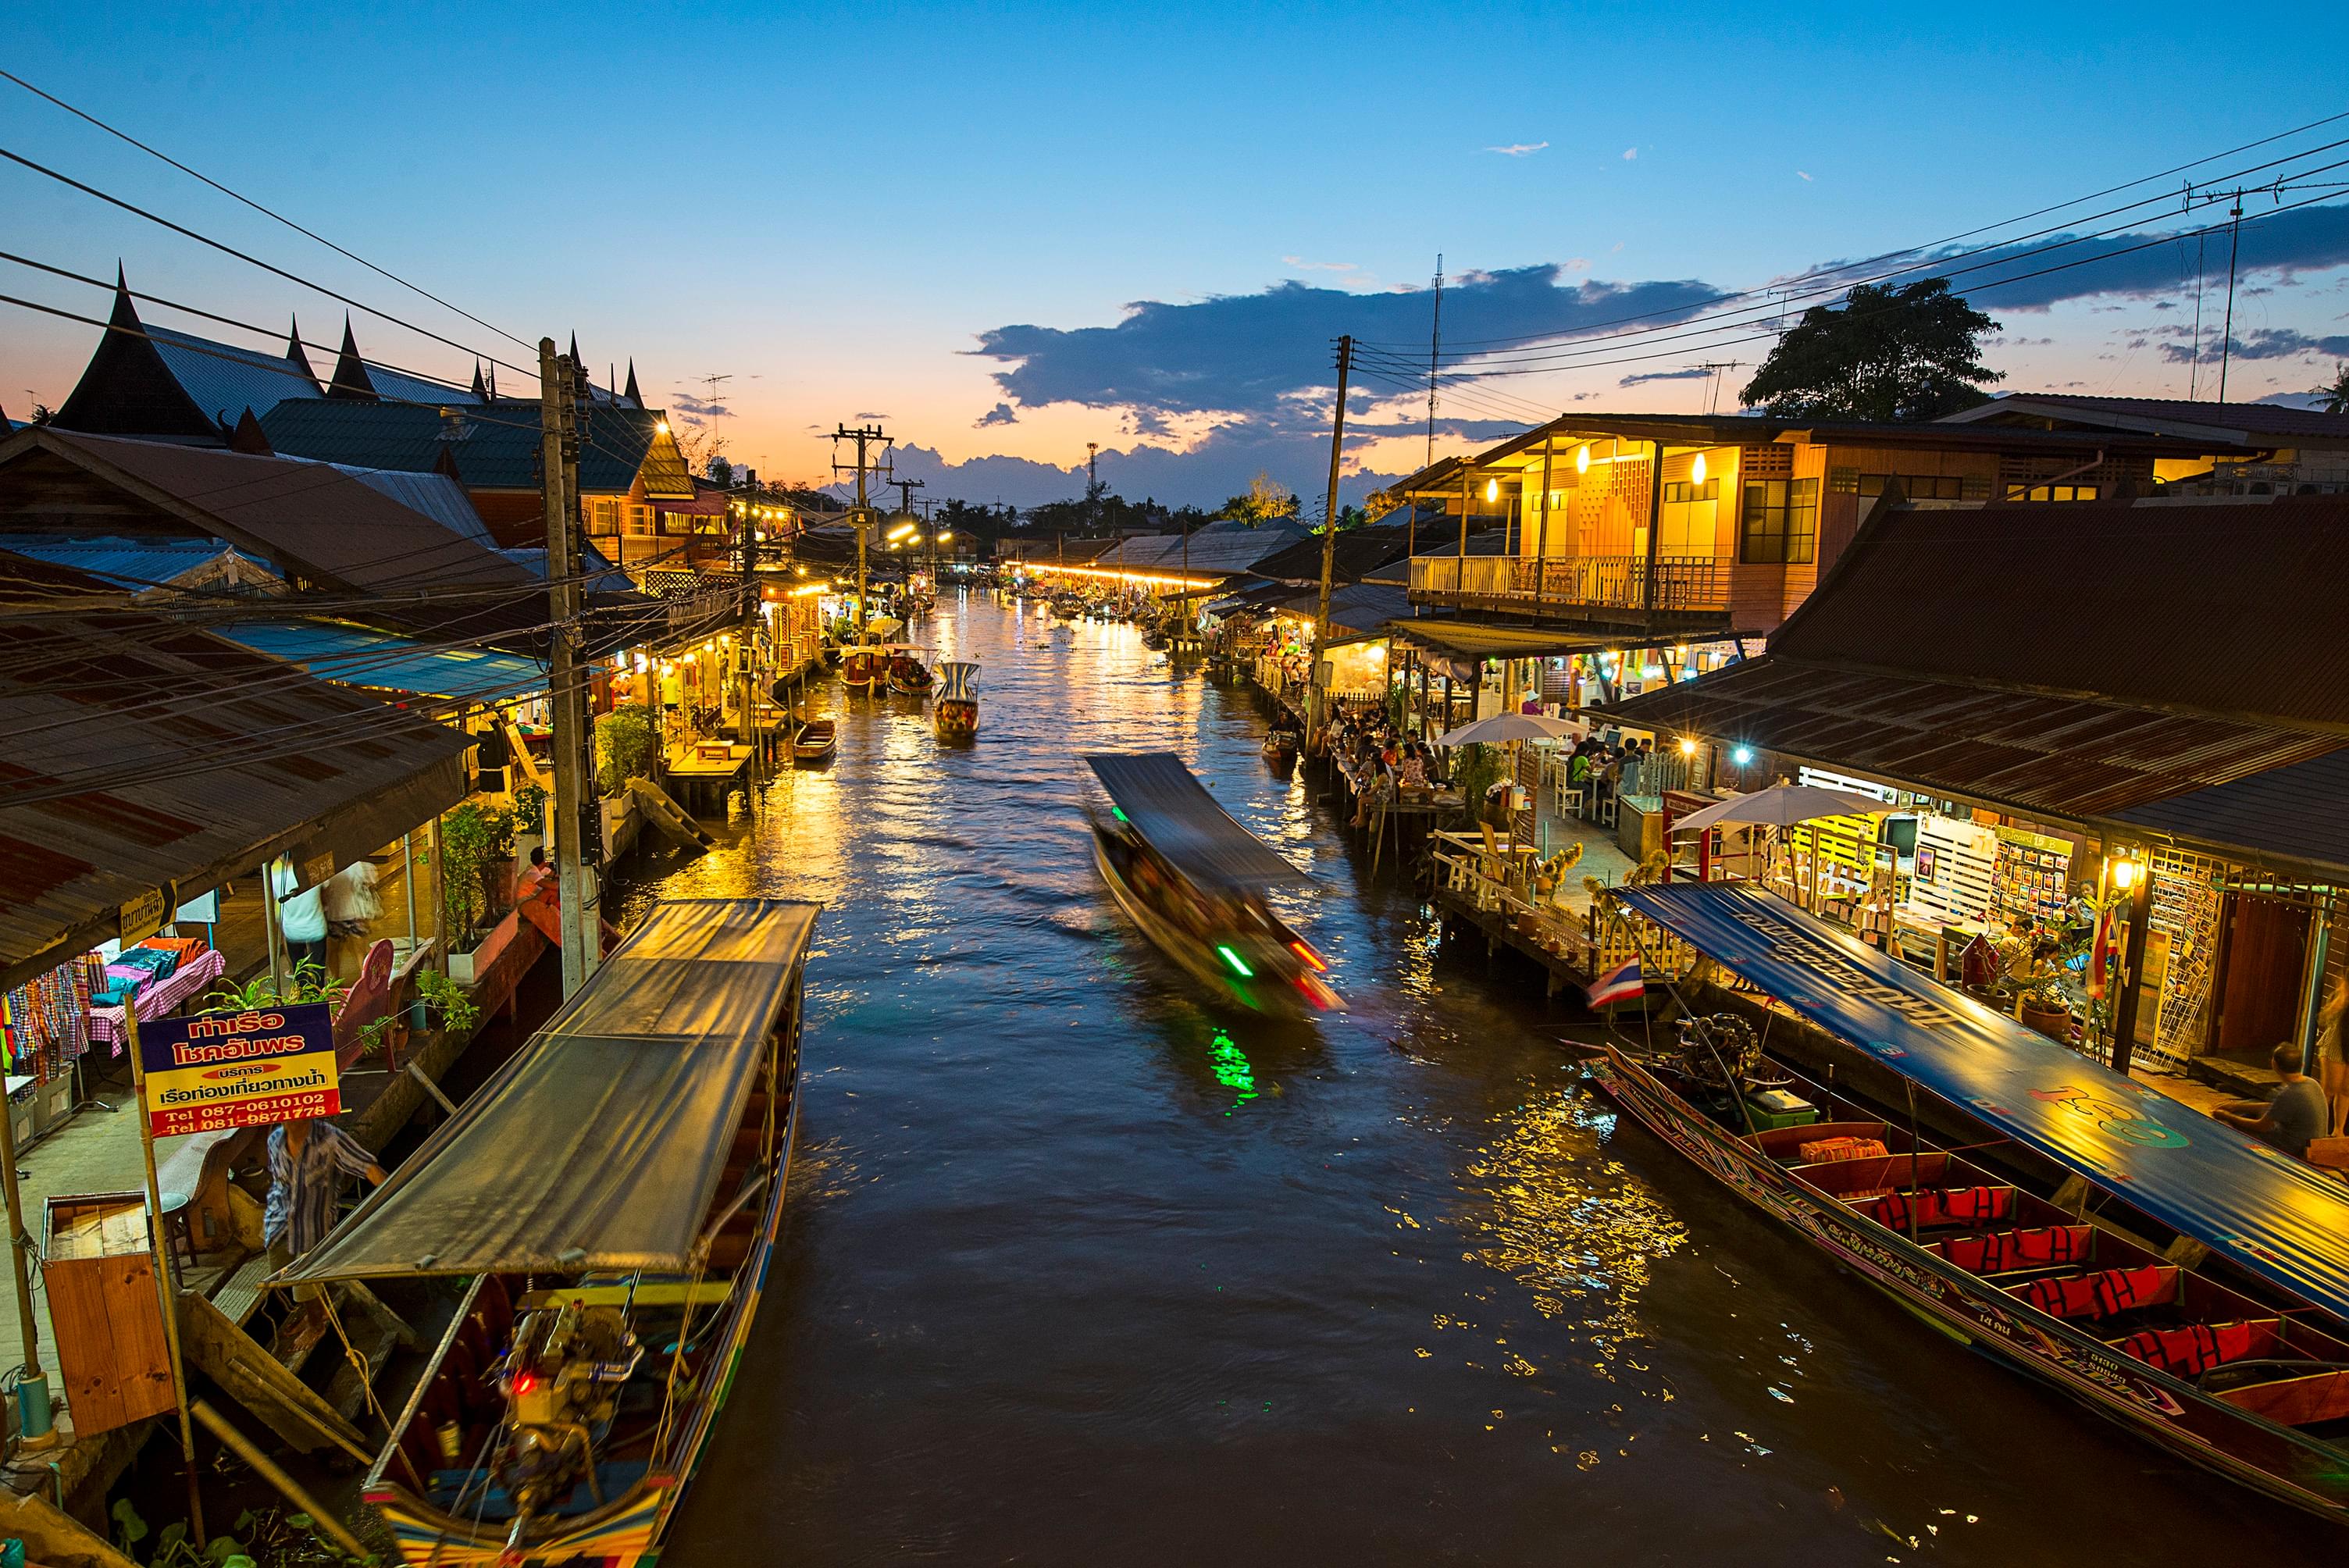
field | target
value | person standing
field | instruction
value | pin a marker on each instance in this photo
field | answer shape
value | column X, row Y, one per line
column 307, row 1162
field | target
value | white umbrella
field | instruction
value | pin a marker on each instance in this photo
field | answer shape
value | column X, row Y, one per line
column 1780, row 806
column 882, row 626
column 1503, row 728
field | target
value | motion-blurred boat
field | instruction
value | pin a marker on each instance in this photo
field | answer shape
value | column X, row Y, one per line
column 1194, row 880
column 955, row 714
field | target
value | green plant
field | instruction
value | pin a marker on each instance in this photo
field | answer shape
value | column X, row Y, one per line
column 530, row 808
column 1478, row 768
column 624, row 742
column 445, row 1002
column 309, row 983
column 476, row 841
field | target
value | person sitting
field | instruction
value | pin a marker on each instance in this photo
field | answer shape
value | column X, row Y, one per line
column 2297, row 1114
column 1412, row 772
column 537, row 876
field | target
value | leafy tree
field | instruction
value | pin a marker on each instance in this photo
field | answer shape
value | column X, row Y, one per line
column 2335, row 395
column 721, row 472
column 1264, row 501
column 1905, row 353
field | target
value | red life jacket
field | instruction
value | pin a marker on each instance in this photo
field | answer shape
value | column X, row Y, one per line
column 2103, row 1293
column 2190, row 1352
column 1943, row 1206
column 2008, row 1250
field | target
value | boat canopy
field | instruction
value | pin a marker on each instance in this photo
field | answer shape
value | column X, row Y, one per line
column 1171, row 809
column 2253, row 1204
column 960, row 682
column 601, row 1144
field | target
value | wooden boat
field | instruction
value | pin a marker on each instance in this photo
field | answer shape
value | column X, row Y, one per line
column 1193, row 881
column 817, row 741
column 908, row 677
column 2172, row 1274
column 956, row 713
column 865, row 666
column 1280, row 744
column 609, row 1200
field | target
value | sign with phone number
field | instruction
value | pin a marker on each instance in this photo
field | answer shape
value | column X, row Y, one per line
column 218, row 1070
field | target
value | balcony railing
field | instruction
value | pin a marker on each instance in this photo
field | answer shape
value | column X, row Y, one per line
column 1604, row 582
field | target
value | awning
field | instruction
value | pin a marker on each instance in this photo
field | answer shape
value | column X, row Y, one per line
column 2067, row 756
column 602, row 1143
column 1154, row 793
column 1484, row 640
column 356, row 655
column 143, row 752
column 2263, row 1210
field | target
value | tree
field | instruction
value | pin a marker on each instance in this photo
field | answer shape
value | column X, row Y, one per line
column 1265, row 500
column 721, row 472
column 1890, row 354
column 2334, row 396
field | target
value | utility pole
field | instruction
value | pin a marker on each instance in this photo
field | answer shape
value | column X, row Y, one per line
column 558, row 446
column 2227, row 333
column 1316, row 695
column 750, row 606
column 1435, row 352
column 863, row 435
column 1093, row 487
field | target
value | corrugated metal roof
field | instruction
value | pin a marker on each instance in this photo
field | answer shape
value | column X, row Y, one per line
column 311, row 516
column 2292, row 812
column 133, row 563
column 2069, row 757
column 1762, row 429
column 1481, row 640
column 224, row 380
column 2240, row 421
column 356, row 655
column 142, row 752
column 2222, row 607
column 494, row 447
column 436, row 496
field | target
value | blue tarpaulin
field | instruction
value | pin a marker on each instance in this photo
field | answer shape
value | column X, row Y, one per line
column 358, row 656
column 2265, row 1211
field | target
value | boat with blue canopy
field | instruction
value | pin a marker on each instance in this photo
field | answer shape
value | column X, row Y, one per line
column 955, row 714
column 2187, row 1281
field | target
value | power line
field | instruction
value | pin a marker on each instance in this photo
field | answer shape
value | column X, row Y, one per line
column 268, row 212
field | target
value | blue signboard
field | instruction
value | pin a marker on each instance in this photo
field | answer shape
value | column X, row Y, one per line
column 240, row 1069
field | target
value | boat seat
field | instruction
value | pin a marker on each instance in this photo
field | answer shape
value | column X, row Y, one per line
column 1936, row 1208
column 2107, row 1292
column 2195, row 1349
column 2017, row 1252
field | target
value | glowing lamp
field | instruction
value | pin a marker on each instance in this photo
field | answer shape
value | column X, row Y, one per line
column 1492, row 490
column 1696, row 469
column 1745, row 754
column 1688, row 747
column 2125, row 873
column 1582, row 459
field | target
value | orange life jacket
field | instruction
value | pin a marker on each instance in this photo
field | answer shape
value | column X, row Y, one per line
column 2187, row 1352
column 1943, row 1206
column 2103, row 1293
column 1824, row 1150
column 2007, row 1250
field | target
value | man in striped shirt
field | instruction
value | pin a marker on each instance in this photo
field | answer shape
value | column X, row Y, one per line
column 307, row 1162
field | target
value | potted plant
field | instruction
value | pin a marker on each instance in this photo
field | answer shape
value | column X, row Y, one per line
column 530, row 820
column 477, row 867
column 2041, row 1006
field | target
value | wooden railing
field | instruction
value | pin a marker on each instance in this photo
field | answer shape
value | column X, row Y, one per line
column 1608, row 581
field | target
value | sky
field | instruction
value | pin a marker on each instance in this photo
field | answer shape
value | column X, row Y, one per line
column 1001, row 234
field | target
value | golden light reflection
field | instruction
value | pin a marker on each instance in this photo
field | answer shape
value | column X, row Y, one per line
column 1578, row 1232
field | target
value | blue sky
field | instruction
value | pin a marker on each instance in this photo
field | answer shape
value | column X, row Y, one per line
column 949, row 216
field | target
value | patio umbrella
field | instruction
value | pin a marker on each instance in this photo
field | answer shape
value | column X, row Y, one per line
column 882, row 626
column 1504, row 727
column 1780, row 806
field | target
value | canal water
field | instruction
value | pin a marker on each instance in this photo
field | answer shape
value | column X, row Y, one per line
column 1078, row 1271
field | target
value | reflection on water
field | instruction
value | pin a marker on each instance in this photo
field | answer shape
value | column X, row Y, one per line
column 1078, row 1271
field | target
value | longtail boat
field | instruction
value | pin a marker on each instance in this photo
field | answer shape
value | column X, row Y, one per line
column 1193, row 880
column 956, row 713
column 610, row 1200
column 908, row 677
column 2167, row 1271
column 817, row 741
column 866, row 666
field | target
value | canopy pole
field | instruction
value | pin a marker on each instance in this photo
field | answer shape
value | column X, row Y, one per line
column 167, row 1282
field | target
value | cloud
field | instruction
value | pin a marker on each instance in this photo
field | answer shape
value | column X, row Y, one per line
column 1001, row 414
column 1244, row 354
column 1694, row 373
column 2141, row 265
column 2268, row 343
column 1302, row 265
column 1218, row 466
column 1800, row 175
column 873, row 419
column 685, row 402
column 1146, row 422
column 1630, row 154
column 2309, row 400
column 1519, row 149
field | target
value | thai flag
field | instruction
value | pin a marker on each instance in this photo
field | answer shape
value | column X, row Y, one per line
column 1624, row 984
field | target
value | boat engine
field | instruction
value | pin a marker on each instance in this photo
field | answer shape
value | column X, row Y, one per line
column 562, row 1382
column 1719, row 1050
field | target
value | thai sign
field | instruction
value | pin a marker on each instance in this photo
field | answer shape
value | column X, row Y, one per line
column 240, row 1069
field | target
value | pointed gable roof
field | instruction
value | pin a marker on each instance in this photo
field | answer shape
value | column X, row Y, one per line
column 479, row 392
column 350, row 371
column 155, row 381
column 634, row 398
column 295, row 355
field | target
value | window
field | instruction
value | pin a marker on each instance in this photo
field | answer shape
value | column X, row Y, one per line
column 2060, row 492
column 1916, row 486
column 1690, row 511
column 1781, row 521
column 604, row 518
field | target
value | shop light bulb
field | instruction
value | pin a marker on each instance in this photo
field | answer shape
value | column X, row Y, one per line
column 1688, row 747
column 1696, row 469
column 1744, row 754
column 1582, row 459
column 1492, row 490
column 2125, row 873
